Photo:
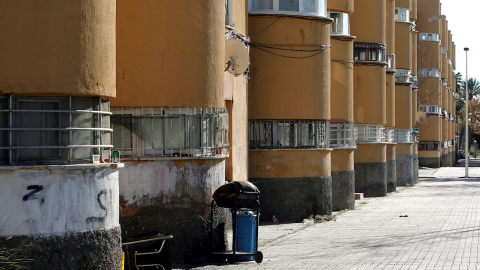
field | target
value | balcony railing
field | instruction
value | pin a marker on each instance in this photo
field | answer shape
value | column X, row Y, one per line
column 288, row 134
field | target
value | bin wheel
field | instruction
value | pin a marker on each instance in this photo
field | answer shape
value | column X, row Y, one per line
column 258, row 257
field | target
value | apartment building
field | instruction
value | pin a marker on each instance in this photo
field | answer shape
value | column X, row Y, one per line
column 59, row 192
column 404, row 91
column 390, row 116
column 179, row 118
column 342, row 139
column 368, row 24
column 435, row 80
column 289, row 107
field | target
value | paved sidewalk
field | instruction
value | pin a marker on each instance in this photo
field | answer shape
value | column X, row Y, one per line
column 433, row 225
column 453, row 172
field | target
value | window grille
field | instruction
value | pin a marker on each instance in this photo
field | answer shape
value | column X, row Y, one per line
column 287, row 134
column 430, row 145
column 391, row 65
column 370, row 133
column 429, row 73
column 403, row 136
column 369, row 52
column 430, row 109
column 293, row 7
column 389, row 135
column 53, row 130
column 414, row 82
column 429, row 37
column 340, row 24
column 170, row 132
column 402, row 15
column 403, row 76
column 341, row 135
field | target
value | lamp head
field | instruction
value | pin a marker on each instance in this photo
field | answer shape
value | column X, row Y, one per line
column 466, row 49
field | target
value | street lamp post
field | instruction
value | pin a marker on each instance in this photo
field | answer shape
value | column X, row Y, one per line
column 466, row 111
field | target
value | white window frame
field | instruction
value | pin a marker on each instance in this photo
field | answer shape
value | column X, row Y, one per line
column 431, row 109
column 403, row 136
column 212, row 132
column 429, row 73
column 320, row 8
column 270, row 134
column 403, row 76
column 429, row 37
column 369, row 52
column 402, row 15
column 341, row 135
column 343, row 22
column 389, row 135
column 391, row 62
column 79, row 131
column 369, row 133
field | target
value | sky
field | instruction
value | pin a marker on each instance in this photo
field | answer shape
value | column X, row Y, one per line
column 464, row 22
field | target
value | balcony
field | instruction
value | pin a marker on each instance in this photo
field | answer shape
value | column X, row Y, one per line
column 370, row 53
column 291, row 134
column 431, row 109
column 316, row 8
column 403, row 76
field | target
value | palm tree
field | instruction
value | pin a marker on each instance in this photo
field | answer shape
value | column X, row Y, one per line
column 473, row 88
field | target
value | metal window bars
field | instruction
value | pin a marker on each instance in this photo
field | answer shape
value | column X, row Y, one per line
column 341, row 135
column 430, row 145
column 403, row 76
column 53, row 130
column 171, row 132
column 431, row 109
column 403, row 136
column 288, row 134
column 389, row 135
column 429, row 73
column 370, row 133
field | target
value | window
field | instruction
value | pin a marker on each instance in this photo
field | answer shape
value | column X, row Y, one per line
column 403, row 136
column 403, row 76
column 287, row 134
column 391, row 65
column 429, row 37
column 370, row 133
column 341, row 135
column 371, row 52
column 294, row 7
column 53, row 130
column 414, row 82
column 429, row 73
column 430, row 145
column 444, row 50
column 340, row 24
column 170, row 132
column 402, row 15
column 229, row 12
column 389, row 135
column 430, row 109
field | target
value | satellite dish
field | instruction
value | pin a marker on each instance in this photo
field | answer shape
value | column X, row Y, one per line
column 237, row 58
column 421, row 117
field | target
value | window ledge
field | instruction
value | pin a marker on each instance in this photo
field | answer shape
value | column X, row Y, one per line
column 130, row 159
column 342, row 37
column 64, row 167
column 344, row 147
column 291, row 149
column 293, row 14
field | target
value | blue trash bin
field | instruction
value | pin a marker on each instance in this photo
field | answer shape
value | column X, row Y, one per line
column 246, row 234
